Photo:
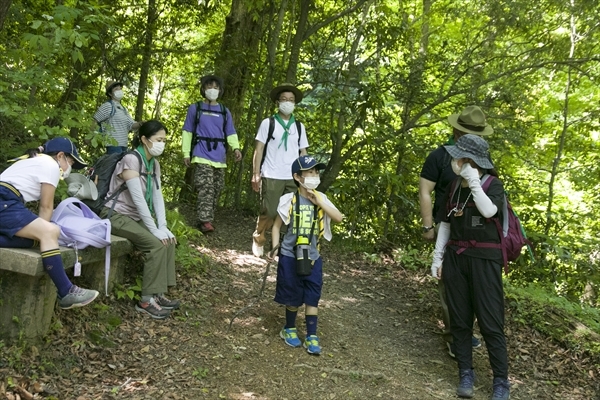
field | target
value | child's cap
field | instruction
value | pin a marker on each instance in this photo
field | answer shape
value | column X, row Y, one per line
column 304, row 163
column 65, row 145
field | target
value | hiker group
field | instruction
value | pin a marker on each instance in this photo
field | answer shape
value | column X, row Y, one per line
column 469, row 219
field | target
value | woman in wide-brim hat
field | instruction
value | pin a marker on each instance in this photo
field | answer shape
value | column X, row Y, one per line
column 468, row 258
column 35, row 178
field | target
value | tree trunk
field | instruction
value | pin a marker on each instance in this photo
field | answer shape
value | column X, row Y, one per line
column 292, row 68
column 146, row 57
column 4, row 7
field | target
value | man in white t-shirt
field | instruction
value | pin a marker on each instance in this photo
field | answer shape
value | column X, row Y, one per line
column 114, row 119
column 279, row 141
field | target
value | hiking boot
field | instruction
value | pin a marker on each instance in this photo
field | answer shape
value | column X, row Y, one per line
column 501, row 389
column 476, row 343
column 311, row 344
column 290, row 336
column 205, row 227
column 167, row 304
column 152, row 309
column 465, row 385
column 257, row 249
column 77, row 297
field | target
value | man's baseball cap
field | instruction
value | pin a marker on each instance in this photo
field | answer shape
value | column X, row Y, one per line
column 65, row 145
column 304, row 163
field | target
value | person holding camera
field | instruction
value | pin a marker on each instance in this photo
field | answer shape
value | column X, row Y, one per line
column 308, row 215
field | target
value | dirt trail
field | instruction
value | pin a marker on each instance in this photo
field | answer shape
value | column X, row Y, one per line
column 378, row 327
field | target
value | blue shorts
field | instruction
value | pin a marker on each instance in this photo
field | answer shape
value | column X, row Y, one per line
column 14, row 216
column 293, row 290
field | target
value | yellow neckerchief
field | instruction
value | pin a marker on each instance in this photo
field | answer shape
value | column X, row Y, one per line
column 320, row 213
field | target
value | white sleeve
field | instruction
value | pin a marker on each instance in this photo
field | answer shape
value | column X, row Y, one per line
column 263, row 131
column 443, row 236
column 283, row 209
column 137, row 195
column 303, row 137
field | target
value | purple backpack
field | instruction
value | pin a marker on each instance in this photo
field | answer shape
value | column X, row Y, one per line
column 80, row 227
column 512, row 235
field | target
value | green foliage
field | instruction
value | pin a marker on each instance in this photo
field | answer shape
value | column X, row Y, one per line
column 379, row 83
column 130, row 292
column 186, row 254
column 200, row 373
column 575, row 325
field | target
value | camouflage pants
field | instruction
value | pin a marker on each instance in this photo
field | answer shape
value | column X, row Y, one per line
column 209, row 183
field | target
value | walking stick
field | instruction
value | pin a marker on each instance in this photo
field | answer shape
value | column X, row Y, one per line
column 262, row 288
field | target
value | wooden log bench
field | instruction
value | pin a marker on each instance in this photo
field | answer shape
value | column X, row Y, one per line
column 28, row 295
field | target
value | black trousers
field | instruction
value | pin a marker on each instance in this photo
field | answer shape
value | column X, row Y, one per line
column 474, row 286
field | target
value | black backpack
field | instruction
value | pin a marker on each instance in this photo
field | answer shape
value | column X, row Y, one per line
column 101, row 173
column 215, row 141
column 270, row 137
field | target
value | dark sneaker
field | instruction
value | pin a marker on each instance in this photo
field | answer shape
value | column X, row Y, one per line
column 501, row 389
column 312, row 345
column 166, row 303
column 77, row 297
column 152, row 309
column 206, row 227
column 290, row 336
column 465, row 385
column 476, row 343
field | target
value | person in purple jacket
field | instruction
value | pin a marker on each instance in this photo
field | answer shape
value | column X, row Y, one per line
column 207, row 131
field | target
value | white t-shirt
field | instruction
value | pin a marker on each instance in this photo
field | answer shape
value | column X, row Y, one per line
column 278, row 160
column 28, row 175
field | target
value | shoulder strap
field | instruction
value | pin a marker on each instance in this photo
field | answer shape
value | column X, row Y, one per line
column 224, row 112
column 299, row 129
column 486, row 181
column 269, row 138
column 198, row 115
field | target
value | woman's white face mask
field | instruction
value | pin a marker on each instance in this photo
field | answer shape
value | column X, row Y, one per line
column 157, row 148
column 455, row 167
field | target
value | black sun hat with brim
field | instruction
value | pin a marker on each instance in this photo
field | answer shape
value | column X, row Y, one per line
column 286, row 87
column 473, row 147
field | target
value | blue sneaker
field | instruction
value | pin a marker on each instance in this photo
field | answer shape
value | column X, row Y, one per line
column 501, row 389
column 476, row 343
column 290, row 336
column 465, row 386
column 312, row 345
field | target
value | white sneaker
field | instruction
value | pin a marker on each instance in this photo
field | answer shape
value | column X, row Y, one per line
column 257, row 250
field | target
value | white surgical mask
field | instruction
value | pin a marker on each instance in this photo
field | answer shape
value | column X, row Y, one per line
column 311, row 182
column 157, row 148
column 286, row 107
column 65, row 174
column 118, row 94
column 211, row 94
column 455, row 167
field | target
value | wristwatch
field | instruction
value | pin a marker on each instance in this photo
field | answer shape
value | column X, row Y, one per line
column 427, row 228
